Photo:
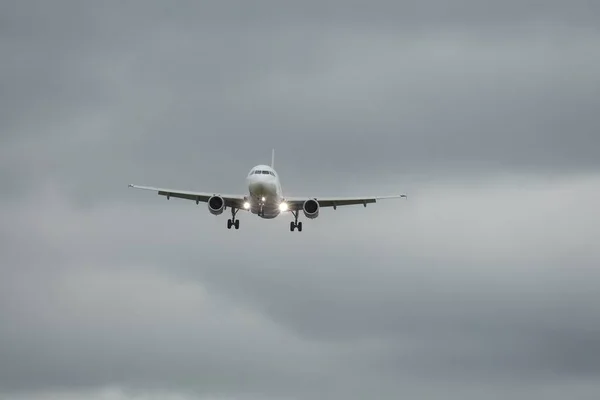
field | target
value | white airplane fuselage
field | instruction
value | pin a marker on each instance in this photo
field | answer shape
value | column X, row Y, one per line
column 265, row 193
column 264, row 198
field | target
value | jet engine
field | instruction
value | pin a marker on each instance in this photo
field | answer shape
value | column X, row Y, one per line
column 311, row 208
column 216, row 205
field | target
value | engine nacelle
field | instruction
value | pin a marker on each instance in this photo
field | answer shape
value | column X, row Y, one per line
column 311, row 208
column 216, row 205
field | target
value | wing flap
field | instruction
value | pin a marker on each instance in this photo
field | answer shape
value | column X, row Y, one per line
column 297, row 203
column 198, row 197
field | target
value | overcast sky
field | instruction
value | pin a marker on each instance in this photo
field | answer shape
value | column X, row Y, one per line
column 485, row 284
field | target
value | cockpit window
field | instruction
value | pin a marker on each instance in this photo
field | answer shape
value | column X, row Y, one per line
column 261, row 172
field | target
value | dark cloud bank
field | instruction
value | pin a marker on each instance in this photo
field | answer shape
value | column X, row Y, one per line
column 483, row 285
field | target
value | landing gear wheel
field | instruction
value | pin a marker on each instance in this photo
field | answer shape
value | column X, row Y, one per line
column 232, row 221
column 295, row 224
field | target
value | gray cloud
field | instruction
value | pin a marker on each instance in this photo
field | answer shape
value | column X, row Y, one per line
column 412, row 307
column 483, row 284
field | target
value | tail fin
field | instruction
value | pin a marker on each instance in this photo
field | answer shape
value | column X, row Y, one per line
column 273, row 158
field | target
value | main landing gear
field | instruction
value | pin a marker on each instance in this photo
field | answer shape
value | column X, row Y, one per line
column 295, row 224
column 232, row 221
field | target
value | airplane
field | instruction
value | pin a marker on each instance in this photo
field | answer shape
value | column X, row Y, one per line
column 265, row 198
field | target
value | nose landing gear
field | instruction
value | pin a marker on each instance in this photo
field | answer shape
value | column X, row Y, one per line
column 261, row 211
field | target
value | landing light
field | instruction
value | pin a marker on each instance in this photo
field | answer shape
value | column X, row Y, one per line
column 283, row 207
column 263, row 199
column 246, row 205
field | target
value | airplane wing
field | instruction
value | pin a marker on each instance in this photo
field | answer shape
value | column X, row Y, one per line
column 295, row 203
column 233, row 200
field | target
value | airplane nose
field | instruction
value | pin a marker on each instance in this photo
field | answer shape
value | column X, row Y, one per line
column 258, row 187
column 261, row 188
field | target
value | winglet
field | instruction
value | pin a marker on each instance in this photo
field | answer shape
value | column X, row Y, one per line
column 273, row 158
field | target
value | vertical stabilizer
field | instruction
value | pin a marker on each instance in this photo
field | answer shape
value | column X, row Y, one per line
column 273, row 158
